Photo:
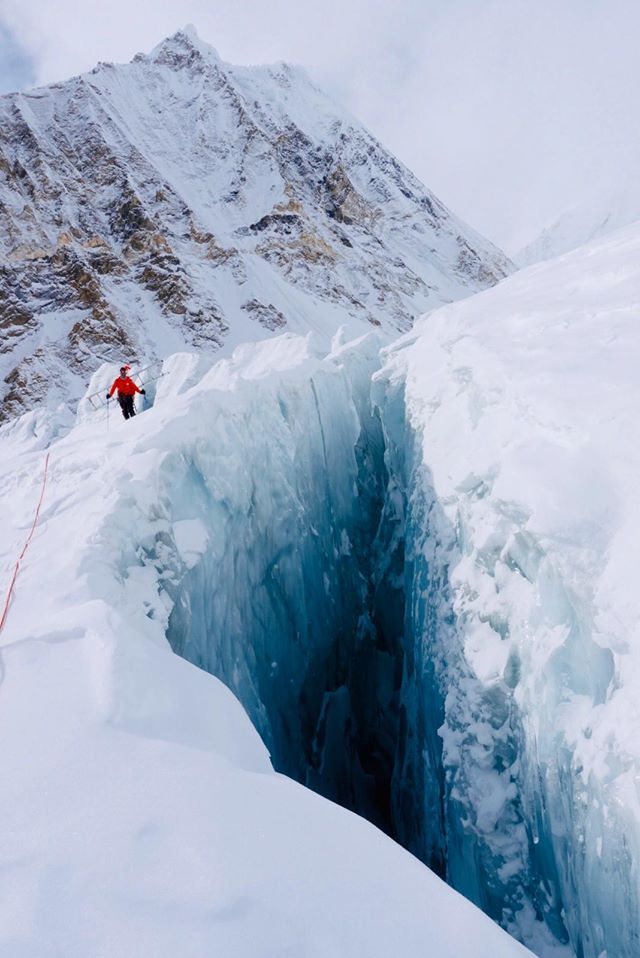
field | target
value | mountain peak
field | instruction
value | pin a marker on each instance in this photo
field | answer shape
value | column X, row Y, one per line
column 184, row 47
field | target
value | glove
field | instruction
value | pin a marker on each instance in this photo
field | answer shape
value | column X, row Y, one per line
column 144, row 392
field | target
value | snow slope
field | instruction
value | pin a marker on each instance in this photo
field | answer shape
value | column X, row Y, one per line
column 519, row 450
column 140, row 815
column 595, row 218
column 180, row 202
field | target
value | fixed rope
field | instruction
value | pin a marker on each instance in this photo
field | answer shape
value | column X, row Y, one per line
column 16, row 570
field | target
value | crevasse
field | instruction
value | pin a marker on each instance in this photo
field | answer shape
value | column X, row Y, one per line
column 470, row 750
column 290, row 604
column 320, row 590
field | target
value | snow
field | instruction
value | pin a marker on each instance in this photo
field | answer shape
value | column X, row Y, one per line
column 605, row 211
column 512, row 424
column 272, row 526
column 413, row 586
column 140, row 812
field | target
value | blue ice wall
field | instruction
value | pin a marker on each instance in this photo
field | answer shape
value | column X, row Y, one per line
column 468, row 747
column 518, row 827
column 282, row 603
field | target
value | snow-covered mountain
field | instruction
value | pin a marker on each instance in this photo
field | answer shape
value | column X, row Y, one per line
column 177, row 201
column 411, row 562
column 601, row 214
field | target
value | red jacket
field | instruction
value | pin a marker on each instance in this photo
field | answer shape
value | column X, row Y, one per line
column 125, row 386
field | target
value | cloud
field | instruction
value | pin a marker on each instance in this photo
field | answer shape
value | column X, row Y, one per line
column 16, row 67
column 511, row 110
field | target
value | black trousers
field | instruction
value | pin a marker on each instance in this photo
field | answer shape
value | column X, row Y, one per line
column 126, row 404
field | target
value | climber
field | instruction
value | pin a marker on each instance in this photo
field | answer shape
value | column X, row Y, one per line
column 126, row 391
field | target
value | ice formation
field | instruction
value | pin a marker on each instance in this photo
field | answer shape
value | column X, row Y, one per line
column 457, row 607
column 520, row 482
column 140, row 814
column 281, row 605
column 317, row 586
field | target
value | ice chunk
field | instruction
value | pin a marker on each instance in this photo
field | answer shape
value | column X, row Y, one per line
column 191, row 538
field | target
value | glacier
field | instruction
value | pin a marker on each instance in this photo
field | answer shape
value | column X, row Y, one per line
column 398, row 574
column 318, row 589
column 411, row 565
column 140, row 811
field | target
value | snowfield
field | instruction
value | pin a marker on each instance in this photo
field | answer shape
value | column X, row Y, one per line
column 140, row 814
column 520, row 456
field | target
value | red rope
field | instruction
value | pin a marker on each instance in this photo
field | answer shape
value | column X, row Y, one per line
column 5, row 611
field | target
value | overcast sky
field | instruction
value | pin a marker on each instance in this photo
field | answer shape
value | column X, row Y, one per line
column 510, row 110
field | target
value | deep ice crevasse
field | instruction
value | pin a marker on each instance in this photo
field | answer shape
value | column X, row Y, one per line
column 375, row 639
column 313, row 577
column 282, row 604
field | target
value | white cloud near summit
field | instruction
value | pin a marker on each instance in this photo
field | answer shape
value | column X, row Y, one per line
column 510, row 110
column 16, row 67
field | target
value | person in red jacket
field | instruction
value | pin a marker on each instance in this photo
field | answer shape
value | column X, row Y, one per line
column 126, row 391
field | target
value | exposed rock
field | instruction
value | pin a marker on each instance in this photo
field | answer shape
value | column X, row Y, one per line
column 24, row 385
column 344, row 203
column 268, row 316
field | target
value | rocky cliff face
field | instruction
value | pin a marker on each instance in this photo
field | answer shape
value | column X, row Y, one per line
column 178, row 202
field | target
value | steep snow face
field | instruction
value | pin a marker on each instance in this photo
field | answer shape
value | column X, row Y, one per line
column 519, row 455
column 140, row 814
column 178, row 201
